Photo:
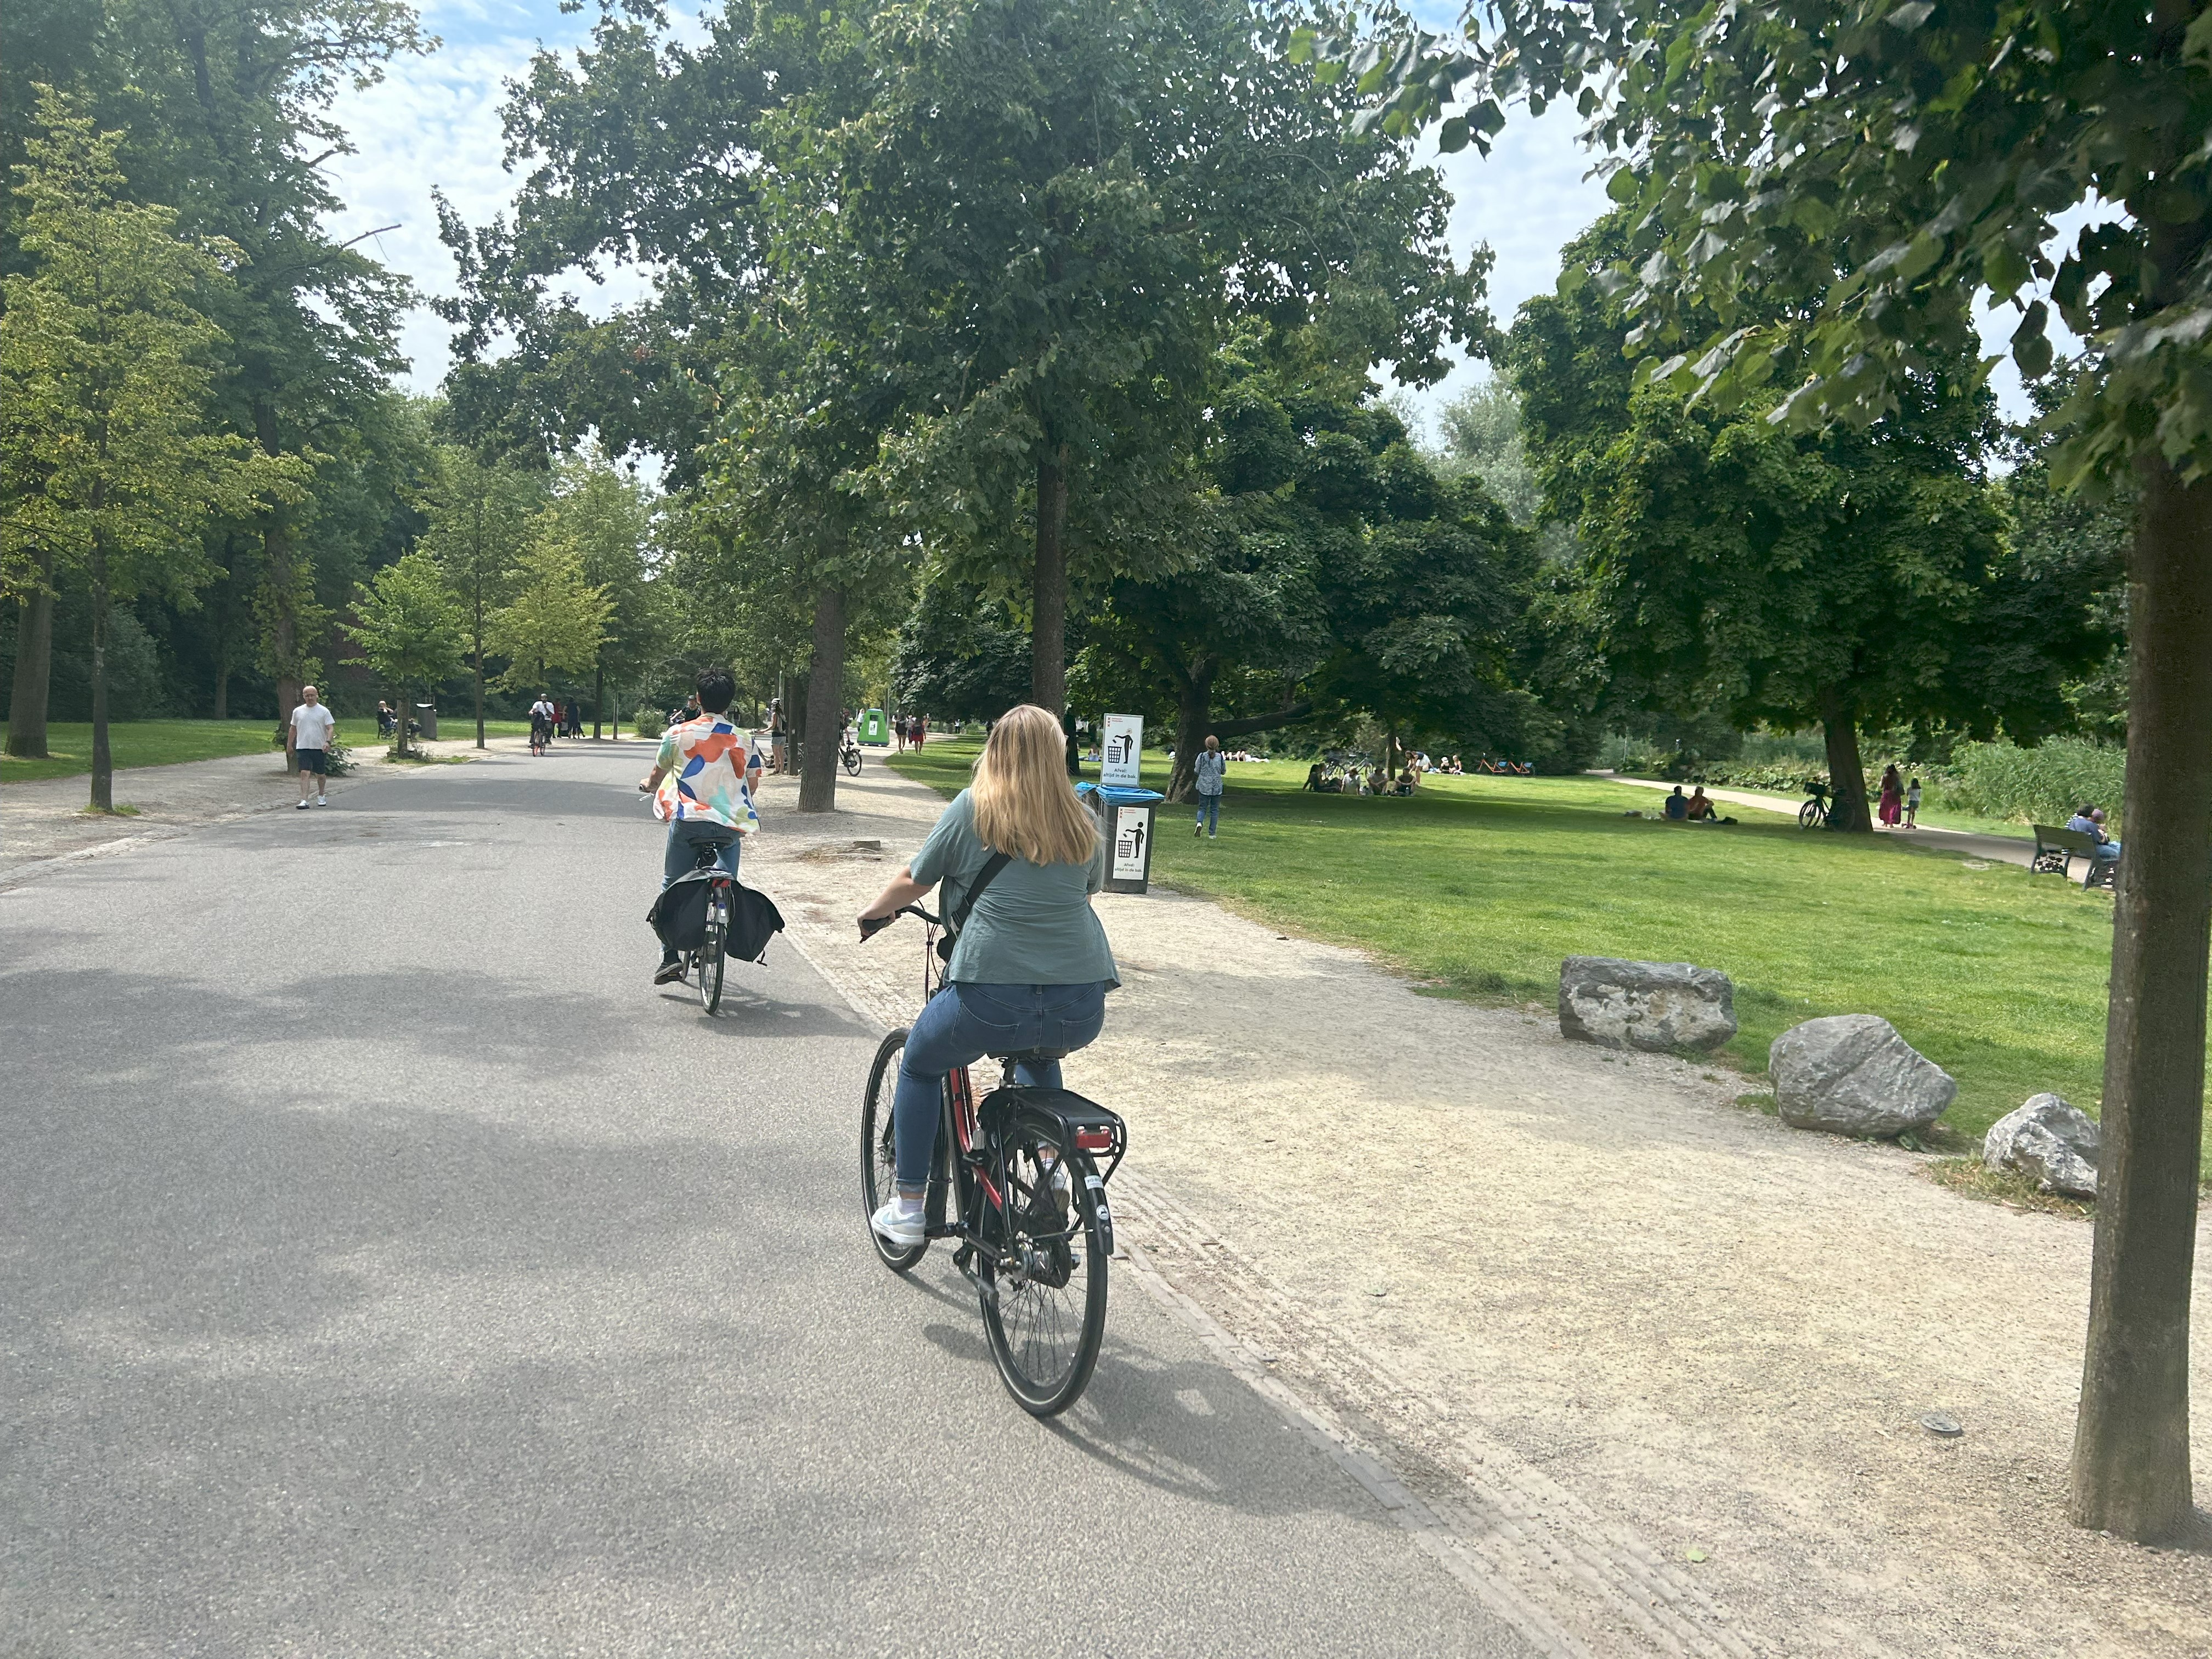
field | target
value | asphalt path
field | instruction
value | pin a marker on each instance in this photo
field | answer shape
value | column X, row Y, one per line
column 385, row 1267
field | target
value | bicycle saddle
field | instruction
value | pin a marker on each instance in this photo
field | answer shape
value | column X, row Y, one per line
column 1033, row 1056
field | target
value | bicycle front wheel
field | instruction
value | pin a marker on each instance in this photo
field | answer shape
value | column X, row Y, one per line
column 1810, row 814
column 1043, row 1284
column 852, row 762
column 880, row 1151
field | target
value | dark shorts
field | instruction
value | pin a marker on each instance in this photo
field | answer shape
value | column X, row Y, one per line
column 313, row 760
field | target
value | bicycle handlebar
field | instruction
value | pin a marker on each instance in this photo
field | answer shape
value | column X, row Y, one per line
column 872, row 926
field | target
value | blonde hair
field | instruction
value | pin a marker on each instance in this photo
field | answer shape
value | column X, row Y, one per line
column 1023, row 802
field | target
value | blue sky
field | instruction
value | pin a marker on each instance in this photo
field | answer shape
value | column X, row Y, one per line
column 434, row 124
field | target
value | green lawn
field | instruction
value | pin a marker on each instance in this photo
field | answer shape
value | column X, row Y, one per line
column 165, row 743
column 1481, row 885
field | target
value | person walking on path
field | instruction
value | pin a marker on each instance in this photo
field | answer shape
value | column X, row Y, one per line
column 1912, row 804
column 701, row 784
column 1030, row 968
column 775, row 731
column 1208, row 769
column 311, row 728
column 1893, row 797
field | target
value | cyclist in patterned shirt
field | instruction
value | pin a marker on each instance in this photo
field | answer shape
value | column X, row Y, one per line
column 701, row 784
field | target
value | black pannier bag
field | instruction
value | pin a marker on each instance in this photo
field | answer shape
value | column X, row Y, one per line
column 679, row 916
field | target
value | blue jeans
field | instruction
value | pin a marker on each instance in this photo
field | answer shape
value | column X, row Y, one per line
column 1209, row 813
column 685, row 837
column 962, row 1024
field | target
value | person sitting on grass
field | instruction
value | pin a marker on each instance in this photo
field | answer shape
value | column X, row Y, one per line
column 1701, row 809
column 1677, row 806
column 1313, row 778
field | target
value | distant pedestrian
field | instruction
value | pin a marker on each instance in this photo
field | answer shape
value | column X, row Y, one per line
column 1893, row 798
column 1912, row 804
column 776, row 728
column 541, row 724
column 921, row 730
column 311, row 727
column 1208, row 769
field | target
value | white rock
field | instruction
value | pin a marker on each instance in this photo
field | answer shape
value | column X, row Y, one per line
column 1653, row 1005
column 2045, row 1138
column 1851, row 1074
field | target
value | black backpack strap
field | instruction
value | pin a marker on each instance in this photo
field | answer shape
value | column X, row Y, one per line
column 958, row 918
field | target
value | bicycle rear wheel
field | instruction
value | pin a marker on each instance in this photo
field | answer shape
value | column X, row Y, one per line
column 879, row 1152
column 708, row 959
column 852, row 762
column 1811, row 814
column 1044, row 1298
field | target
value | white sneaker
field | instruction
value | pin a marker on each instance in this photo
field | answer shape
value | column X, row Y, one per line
column 322, row 800
column 899, row 1222
column 304, row 805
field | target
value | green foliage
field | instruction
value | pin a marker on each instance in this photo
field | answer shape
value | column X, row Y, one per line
column 480, row 520
column 408, row 626
column 2045, row 784
column 556, row 619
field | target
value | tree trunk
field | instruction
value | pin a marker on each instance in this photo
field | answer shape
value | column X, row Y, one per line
column 479, row 677
column 2130, row 1472
column 1049, row 589
column 1839, row 725
column 1194, row 708
column 825, row 706
column 103, row 764
column 222, row 687
column 599, row 698
column 35, row 661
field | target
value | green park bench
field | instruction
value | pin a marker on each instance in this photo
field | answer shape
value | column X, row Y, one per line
column 2056, row 849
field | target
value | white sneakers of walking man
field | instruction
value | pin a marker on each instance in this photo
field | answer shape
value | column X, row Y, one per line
column 312, row 726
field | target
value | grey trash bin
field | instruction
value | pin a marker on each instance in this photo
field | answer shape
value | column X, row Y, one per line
column 1125, row 819
column 426, row 717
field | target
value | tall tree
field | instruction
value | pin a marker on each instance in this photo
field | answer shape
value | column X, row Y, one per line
column 107, row 468
column 606, row 517
column 482, row 518
column 1928, row 150
column 554, row 622
column 1846, row 579
column 408, row 626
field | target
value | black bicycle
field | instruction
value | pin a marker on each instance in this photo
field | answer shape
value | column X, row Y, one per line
column 1014, row 1179
column 1814, row 812
column 849, row 752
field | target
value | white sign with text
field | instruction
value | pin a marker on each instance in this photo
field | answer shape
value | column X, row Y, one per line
column 1129, row 836
column 1120, row 754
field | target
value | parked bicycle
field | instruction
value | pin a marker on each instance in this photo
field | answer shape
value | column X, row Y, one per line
column 1015, row 1181
column 1814, row 813
column 848, row 751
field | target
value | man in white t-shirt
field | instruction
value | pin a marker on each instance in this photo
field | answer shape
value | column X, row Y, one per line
column 312, row 726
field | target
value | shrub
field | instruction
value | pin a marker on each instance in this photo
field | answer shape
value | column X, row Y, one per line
column 2044, row 784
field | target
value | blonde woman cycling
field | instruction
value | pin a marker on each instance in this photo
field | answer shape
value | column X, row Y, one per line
column 1031, row 968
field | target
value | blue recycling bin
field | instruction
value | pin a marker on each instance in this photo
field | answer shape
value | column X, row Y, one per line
column 1126, row 819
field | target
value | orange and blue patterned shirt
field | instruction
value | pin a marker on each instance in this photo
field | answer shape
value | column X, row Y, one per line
column 709, row 767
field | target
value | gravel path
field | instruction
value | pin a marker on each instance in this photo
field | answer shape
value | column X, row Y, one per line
column 1655, row 1362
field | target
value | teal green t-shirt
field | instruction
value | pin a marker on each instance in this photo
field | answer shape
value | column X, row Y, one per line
column 1033, row 925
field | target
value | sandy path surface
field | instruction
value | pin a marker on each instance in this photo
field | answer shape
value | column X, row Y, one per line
column 1657, row 1361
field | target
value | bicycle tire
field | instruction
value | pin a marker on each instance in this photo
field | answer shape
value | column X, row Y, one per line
column 1811, row 814
column 709, row 958
column 852, row 762
column 878, row 1158
column 1045, row 1350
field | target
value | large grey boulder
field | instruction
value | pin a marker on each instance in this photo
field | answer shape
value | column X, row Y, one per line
column 1653, row 1005
column 2050, row 1140
column 1851, row 1074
